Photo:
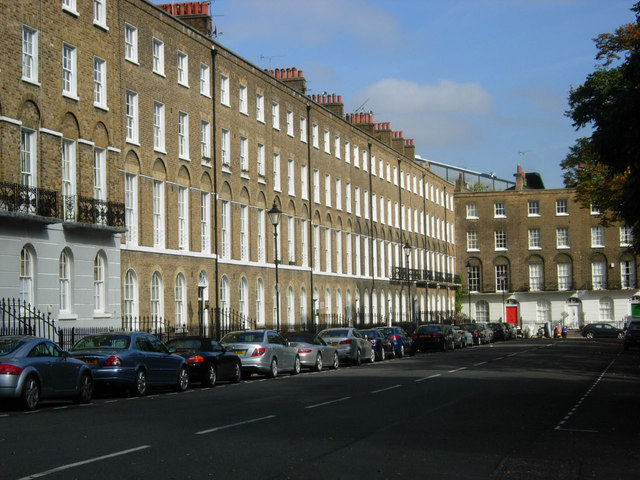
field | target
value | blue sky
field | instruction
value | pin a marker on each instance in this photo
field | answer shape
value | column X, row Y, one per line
column 481, row 84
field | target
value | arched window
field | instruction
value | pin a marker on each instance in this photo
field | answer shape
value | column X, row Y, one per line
column 203, row 298
column 482, row 311
column 339, row 305
column 349, row 308
column 303, row 307
column 25, row 290
column 374, row 306
column 157, row 300
column 180, row 302
column 243, row 299
column 99, row 287
column 291, row 316
column 64, row 280
column 224, row 301
column 327, row 301
column 259, row 303
column 366, row 310
column 606, row 309
column 130, row 297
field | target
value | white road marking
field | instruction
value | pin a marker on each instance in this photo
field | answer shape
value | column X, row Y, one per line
column 498, row 358
column 385, row 389
column 329, row 402
column 235, row 424
column 457, row 369
column 481, row 363
column 575, row 430
column 84, row 462
column 427, row 378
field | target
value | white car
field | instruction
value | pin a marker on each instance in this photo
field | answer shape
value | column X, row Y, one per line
column 351, row 345
column 262, row 351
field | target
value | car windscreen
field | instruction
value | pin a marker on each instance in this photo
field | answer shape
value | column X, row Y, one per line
column 387, row 331
column 184, row 344
column 634, row 326
column 117, row 342
column 8, row 345
column 429, row 329
column 298, row 337
column 335, row 333
column 243, row 337
column 370, row 333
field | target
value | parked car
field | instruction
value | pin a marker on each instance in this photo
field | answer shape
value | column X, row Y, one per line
column 263, row 351
column 433, row 336
column 512, row 331
column 499, row 330
column 381, row 344
column 601, row 330
column 632, row 337
column 207, row 360
column 402, row 342
column 34, row 368
column 135, row 360
column 313, row 351
column 467, row 336
column 351, row 345
column 482, row 334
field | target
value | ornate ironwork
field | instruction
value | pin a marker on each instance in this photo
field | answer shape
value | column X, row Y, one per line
column 27, row 200
column 100, row 212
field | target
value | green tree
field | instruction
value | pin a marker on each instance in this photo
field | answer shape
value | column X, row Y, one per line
column 605, row 167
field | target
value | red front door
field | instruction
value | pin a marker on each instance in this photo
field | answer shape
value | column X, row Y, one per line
column 512, row 314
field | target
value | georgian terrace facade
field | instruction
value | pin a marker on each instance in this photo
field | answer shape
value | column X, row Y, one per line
column 201, row 145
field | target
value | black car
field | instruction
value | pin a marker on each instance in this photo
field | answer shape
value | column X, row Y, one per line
column 601, row 330
column 402, row 343
column 381, row 344
column 207, row 360
column 632, row 337
column 433, row 336
column 499, row 330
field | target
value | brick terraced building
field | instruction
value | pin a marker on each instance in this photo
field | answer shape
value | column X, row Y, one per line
column 125, row 113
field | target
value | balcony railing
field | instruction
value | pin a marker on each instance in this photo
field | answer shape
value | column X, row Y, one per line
column 417, row 275
column 32, row 201
column 22, row 199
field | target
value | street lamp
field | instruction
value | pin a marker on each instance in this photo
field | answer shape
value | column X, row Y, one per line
column 407, row 252
column 469, row 287
column 274, row 216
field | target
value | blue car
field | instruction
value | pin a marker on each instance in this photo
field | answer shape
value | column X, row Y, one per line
column 402, row 343
column 134, row 360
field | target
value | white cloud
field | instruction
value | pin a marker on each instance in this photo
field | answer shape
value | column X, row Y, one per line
column 434, row 115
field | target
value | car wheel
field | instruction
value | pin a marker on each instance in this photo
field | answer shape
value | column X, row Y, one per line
column 358, row 359
column 210, row 376
column 237, row 373
column 140, row 385
column 401, row 353
column 336, row 361
column 620, row 335
column 296, row 366
column 30, row 395
column 372, row 356
column 183, row 380
column 273, row 370
column 383, row 355
column 317, row 367
column 590, row 335
column 85, row 389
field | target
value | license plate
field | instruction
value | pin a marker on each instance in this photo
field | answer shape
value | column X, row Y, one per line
column 334, row 344
column 425, row 336
column 239, row 352
column 91, row 361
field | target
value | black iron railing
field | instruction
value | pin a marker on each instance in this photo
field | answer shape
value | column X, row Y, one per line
column 27, row 200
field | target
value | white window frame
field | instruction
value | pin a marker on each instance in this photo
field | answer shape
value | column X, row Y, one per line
column 304, row 185
column 242, row 99
column 224, row 90
column 69, row 71
column 472, row 242
column 534, row 239
column 598, row 275
column 303, row 129
column 499, row 210
column 260, row 107
column 289, row 123
column 183, row 135
column 533, row 208
column 500, row 239
column 535, row 277
column 291, row 181
column 131, row 116
column 626, row 236
column 225, row 218
column 182, row 64
column 100, row 14
column 157, row 53
column 225, row 147
column 244, row 155
column 205, row 142
column 562, row 238
column 183, row 218
column 205, row 222
column 158, row 213
column 597, row 236
column 99, row 283
column 131, row 43
column 30, row 58
column 327, row 142
column 158, row 127
column 205, row 80
column 564, row 276
column 276, row 173
column 244, row 233
column 100, row 83
column 260, row 160
column 562, row 207
column 275, row 115
column 327, row 189
column 131, row 208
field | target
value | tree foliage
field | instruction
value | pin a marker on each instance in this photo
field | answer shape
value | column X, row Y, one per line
column 479, row 187
column 605, row 167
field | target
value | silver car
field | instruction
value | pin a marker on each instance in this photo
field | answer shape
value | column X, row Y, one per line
column 263, row 351
column 351, row 345
column 314, row 353
column 32, row 368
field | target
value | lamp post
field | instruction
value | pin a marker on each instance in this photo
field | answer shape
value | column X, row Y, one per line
column 274, row 216
column 469, row 287
column 407, row 252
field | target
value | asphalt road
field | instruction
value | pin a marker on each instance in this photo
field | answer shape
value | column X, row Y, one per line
column 524, row 409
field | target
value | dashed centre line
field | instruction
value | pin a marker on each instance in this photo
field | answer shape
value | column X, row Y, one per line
column 457, row 369
column 427, row 378
column 328, row 403
column 253, row 420
column 385, row 389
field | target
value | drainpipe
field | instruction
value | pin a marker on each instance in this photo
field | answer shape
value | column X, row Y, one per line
column 214, row 159
column 310, row 226
column 372, row 241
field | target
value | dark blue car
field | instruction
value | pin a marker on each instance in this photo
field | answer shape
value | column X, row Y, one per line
column 134, row 360
column 402, row 343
